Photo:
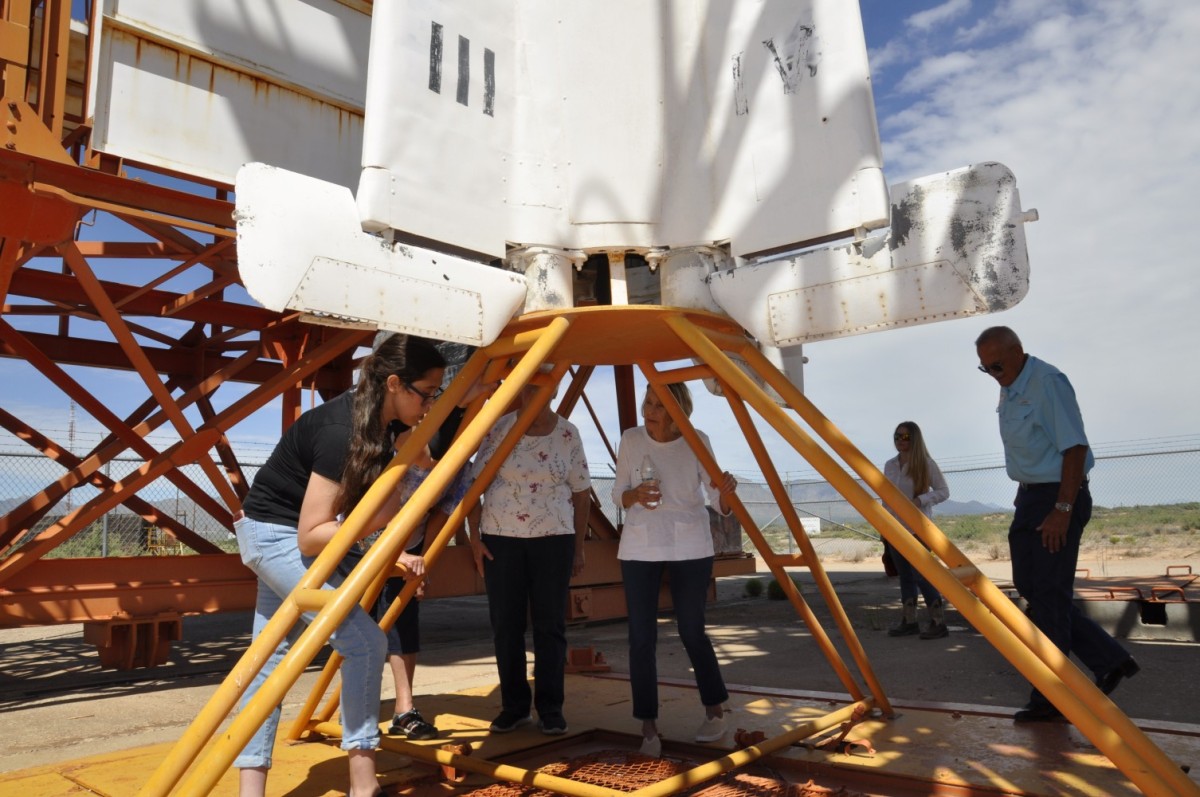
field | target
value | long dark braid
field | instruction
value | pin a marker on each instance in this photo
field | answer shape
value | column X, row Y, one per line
column 409, row 358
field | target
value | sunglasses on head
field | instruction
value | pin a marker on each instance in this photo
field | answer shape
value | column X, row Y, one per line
column 901, row 436
column 992, row 368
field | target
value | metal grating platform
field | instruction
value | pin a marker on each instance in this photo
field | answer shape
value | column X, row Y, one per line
column 626, row 771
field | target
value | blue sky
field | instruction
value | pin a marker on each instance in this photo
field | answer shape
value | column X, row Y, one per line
column 1094, row 106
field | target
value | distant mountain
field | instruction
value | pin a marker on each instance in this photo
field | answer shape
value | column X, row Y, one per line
column 968, row 508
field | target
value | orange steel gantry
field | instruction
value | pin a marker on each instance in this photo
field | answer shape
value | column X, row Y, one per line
column 111, row 265
column 91, row 258
column 106, row 267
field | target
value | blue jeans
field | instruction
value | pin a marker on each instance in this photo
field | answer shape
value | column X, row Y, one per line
column 1047, row 580
column 911, row 581
column 529, row 576
column 688, row 581
column 271, row 551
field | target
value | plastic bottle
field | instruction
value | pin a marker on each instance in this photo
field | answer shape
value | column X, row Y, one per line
column 649, row 474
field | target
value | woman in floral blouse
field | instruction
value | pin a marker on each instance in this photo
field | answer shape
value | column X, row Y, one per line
column 527, row 540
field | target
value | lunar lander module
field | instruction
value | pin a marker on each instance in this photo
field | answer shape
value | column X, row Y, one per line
column 691, row 189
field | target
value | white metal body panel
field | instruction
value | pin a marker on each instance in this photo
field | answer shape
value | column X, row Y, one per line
column 437, row 133
column 203, row 86
column 300, row 248
column 956, row 248
column 617, row 124
column 621, row 123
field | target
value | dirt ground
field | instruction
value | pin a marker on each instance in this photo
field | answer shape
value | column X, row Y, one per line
column 56, row 703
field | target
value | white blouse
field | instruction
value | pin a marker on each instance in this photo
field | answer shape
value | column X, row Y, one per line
column 938, row 489
column 678, row 529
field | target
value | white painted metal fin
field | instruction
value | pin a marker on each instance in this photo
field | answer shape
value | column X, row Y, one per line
column 956, row 248
column 300, row 247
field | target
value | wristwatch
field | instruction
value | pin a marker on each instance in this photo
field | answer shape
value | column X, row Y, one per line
column 1063, row 506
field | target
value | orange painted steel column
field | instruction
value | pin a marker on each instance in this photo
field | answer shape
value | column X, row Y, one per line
column 658, row 380
column 734, row 377
column 809, row 554
column 382, row 554
column 988, row 610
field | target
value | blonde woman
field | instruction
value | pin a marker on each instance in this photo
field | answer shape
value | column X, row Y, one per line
column 667, row 532
column 916, row 475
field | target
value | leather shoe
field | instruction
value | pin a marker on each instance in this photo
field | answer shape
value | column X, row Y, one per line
column 1110, row 680
column 1038, row 712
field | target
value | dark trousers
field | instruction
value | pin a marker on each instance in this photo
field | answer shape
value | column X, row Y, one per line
column 911, row 582
column 1047, row 580
column 688, row 581
column 529, row 577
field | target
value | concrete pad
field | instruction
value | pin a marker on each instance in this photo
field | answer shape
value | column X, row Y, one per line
column 920, row 750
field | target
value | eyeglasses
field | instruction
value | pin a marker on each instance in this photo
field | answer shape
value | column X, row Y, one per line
column 426, row 398
column 898, row 436
column 994, row 368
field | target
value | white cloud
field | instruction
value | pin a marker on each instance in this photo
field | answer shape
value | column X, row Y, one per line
column 895, row 51
column 936, row 69
column 924, row 20
column 1094, row 111
column 1093, row 106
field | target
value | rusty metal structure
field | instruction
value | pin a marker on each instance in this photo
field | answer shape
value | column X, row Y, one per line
column 93, row 251
column 109, row 264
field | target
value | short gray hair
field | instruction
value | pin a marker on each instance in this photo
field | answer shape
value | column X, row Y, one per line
column 1001, row 335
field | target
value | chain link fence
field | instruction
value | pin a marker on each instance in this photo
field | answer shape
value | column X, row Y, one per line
column 1168, row 477
column 982, row 495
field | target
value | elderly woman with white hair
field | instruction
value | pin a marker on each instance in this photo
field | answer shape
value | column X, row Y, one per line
column 527, row 541
column 667, row 531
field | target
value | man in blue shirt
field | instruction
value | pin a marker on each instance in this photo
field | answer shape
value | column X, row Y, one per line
column 1046, row 452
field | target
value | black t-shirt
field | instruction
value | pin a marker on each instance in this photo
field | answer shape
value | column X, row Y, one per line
column 318, row 442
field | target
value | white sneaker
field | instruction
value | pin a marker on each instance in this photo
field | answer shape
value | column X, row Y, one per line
column 712, row 729
column 651, row 747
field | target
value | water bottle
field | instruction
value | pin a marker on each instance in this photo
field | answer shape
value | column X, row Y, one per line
column 649, row 476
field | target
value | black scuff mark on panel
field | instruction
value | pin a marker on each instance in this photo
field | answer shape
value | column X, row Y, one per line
column 903, row 218
column 464, row 69
column 435, row 58
column 489, row 82
column 958, row 235
column 552, row 296
column 797, row 50
column 741, row 105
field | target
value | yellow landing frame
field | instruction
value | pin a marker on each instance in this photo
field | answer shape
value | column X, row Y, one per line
column 645, row 336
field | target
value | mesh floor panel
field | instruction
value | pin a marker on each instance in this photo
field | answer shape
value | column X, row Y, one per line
column 627, row 771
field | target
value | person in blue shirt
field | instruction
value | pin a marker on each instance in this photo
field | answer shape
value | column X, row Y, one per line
column 1046, row 452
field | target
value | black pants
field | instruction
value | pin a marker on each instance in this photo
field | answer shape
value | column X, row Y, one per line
column 1047, row 580
column 529, row 577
